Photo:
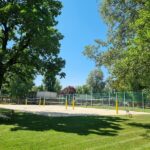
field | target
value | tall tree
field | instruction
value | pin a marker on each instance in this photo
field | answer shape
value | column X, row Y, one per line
column 38, row 88
column 49, row 82
column 52, row 84
column 28, row 37
column 57, row 86
column 18, row 88
column 126, row 53
column 84, row 89
column 95, row 81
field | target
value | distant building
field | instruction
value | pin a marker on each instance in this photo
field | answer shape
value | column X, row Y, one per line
column 46, row 95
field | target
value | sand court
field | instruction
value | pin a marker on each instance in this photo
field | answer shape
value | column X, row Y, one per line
column 59, row 110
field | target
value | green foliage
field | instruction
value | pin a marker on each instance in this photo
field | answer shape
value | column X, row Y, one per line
column 29, row 39
column 49, row 83
column 57, row 86
column 52, row 84
column 127, row 54
column 95, row 81
column 84, row 89
column 38, row 88
column 18, row 88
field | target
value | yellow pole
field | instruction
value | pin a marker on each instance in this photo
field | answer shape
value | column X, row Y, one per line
column 116, row 106
column 44, row 101
column 26, row 102
column 73, row 102
column 40, row 101
column 66, row 103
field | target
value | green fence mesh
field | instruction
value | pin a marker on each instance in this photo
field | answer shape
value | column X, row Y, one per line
column 126, row 99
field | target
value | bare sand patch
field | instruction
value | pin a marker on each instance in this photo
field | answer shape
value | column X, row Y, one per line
column 59, row 110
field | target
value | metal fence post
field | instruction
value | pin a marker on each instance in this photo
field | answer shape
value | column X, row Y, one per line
column 58, row 99
column 133, row 101
column 91, row 99
column 86, row 97
column 66, row 102
column 102, row 100
column 142, row 101
column 109, row 98
column 124, row 99
column 44, row 101
column 81, row 100
column 117, row 103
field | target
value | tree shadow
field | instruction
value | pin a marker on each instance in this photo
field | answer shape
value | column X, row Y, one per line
column 81, row 125
column 140, row 125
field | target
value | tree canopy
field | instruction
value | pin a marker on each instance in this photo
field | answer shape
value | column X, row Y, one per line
column 84, row 89
column 52, row 85
column 19, row 88
column 95, row 81
column 29, row 39
column 126, row 52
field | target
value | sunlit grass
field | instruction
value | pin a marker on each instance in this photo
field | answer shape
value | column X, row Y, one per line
column 32, row 132
column 120, row 108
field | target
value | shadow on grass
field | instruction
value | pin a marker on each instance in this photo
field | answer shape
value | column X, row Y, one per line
column 140, row 125
column 83, row 125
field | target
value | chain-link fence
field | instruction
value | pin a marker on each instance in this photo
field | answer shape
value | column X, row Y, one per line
column 104, row 99
column 125, row 99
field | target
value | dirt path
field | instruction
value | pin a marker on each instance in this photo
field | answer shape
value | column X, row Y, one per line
column 56, row 110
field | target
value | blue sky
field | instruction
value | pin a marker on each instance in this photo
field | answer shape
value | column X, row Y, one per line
column 80, row 23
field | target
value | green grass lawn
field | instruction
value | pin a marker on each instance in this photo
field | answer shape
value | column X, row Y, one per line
column 120, row 108
column 32, row 132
